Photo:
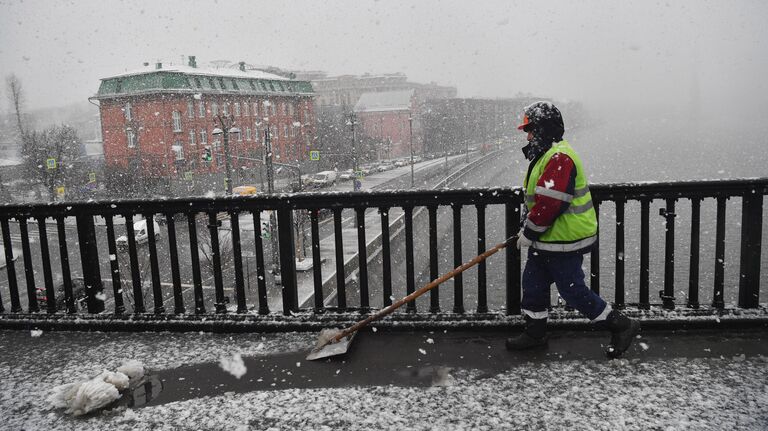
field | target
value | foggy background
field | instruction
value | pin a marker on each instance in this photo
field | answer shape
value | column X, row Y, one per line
column 701, row 59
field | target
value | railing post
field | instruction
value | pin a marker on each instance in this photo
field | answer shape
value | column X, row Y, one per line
column 594, row 258
column 89, row 257
column 386, row 258
column 693, row 272
column 287, row 260
column 362, row 258
column 154, row 268
column 668, row 294
column 341, row 286
column 514, row 292
column 434, row 294
column 50, row 294
column 482, row 292
column 620, row 254
column 645, row 254
column 751, row 235
column 10, row 268
column 410, row 283
column 718, row 297
column 29, row 271
column 215, row 252
column 458, row 280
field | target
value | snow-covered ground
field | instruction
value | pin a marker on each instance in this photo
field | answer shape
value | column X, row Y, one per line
column 700, row 393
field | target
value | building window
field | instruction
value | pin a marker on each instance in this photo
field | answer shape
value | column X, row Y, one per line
column 285, row 131
column 237, row 109
column 225, row 109
column 234, row 85
column 191, row 137
column 197, row 82
column 290, row 109
column 176, row 121
column 239, row 136
column 283, row 108
column 201, row 109
column 215, row 109
column 256, row 108
column 128, row 113
column 247, row 133
column 221, row 84
column 190, row 109
column 203, row 136
column 131, row 138
column 245, row 109
column 179, row 150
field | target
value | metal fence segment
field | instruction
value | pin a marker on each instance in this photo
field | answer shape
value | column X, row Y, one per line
column 207, row 237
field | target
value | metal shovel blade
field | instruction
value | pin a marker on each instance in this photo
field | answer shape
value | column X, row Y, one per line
column 331, row 349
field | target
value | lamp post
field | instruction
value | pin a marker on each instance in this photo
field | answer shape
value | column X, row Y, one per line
column 270, row 191
column 410, row 131
column 351, row 123
column 227, row 124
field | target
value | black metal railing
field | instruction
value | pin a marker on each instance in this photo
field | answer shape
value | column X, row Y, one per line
column 444, row 210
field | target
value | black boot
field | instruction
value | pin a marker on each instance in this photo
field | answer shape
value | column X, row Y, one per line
column 623, row 332
column 534, row 336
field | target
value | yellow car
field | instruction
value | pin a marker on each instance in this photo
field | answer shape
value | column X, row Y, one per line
column 244, row 190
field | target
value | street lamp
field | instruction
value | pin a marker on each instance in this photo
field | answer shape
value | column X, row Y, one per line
column 352, row 123
column 410, row 131
column 228, row 125
column 270, row 191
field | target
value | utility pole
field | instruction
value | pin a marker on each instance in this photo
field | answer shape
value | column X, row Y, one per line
column 272, row 218
column 410, row 131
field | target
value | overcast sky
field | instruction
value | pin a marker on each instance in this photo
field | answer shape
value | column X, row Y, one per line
column 662, row 54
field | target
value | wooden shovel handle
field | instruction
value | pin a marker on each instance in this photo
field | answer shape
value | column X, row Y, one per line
column 434, row 283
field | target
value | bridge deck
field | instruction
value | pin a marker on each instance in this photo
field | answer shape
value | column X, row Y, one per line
column 415, row 380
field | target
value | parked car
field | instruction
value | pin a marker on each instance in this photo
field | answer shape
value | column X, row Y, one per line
column 347, row 175
column 401, row 162
column 324, row 179
column 78, row 292
column 386, row 166
column 139, row 232
column 245, row 190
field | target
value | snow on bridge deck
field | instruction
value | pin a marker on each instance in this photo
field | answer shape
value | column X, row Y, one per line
column 420, row 380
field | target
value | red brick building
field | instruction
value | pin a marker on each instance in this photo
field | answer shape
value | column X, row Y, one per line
column 160, row 120
column 390, row 117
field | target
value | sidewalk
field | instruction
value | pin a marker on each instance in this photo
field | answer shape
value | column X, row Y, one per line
column 399, row 380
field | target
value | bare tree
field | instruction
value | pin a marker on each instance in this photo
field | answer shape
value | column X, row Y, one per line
column 51, row 157
column 16, row 96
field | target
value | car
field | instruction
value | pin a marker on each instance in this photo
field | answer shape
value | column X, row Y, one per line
column 245, row 190
column 347, row 175
column 324, row 179
column 78, row 291
column 386, row 166
column 139, row 232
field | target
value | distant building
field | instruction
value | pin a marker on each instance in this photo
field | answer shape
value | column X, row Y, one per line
column 161, row 119
column 346, row 90
column 390, row 117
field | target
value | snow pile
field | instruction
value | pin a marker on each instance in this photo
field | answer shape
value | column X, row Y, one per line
column 133, row 369
column 36, row 333
column 86, row 396
column 233, row 365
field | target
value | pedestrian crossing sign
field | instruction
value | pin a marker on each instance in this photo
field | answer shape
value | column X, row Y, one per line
column 92, row 177
column 51, row 163
column 314, row 155
column 60, row 190
column 188, row 175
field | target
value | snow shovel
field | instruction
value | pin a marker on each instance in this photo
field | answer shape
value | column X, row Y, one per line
column 333, row 342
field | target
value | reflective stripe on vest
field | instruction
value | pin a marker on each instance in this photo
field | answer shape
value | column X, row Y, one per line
column 575, row 228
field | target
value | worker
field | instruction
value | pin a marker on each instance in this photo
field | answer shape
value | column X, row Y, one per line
column 559, row 226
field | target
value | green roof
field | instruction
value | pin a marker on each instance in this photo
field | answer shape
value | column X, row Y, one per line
column 173, row 81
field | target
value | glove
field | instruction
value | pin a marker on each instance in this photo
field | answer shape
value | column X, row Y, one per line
column 523, row 241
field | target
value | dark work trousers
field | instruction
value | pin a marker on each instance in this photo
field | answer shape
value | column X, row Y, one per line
column 565, row 271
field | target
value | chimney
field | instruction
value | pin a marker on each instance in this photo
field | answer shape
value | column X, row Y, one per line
column 158, row 65
column 146, row 64
column 192, row 62
column 242, row 66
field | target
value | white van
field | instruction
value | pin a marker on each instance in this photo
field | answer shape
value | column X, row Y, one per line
column 324, row 178
column 140, row 233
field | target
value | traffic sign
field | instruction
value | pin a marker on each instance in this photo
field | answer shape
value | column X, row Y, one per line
column 314, row 155
column 60, row 190
column 188, row 175
column 51, row 163
column 92, row 177
column 359, row 174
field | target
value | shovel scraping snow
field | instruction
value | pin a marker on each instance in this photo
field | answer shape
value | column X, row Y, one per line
column 333, row 342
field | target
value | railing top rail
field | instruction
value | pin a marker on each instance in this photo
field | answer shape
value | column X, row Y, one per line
column 378, row 199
